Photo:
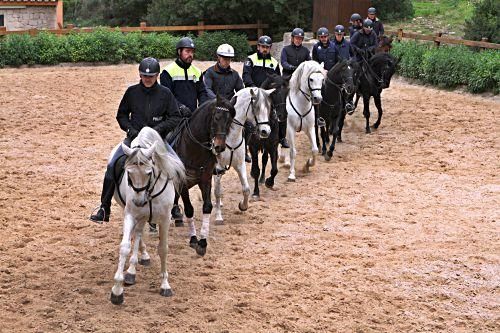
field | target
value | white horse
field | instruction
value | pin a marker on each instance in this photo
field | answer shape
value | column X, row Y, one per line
column 254, row 105
column 305, row 92
column 152, row 174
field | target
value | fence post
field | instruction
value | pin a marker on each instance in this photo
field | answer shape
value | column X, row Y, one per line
column 436, row 42
column 484, row 39
column 33, row 32
column 200, row 25
column 400, row 35
column 260, row 31
column 143, row 25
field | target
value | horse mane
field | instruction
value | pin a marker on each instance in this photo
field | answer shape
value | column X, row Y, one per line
column 380, row 58
column 332, row 73
column 305, row 69
column 167, row 162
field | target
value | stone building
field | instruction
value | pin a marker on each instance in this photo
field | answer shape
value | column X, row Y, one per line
column 31, row 14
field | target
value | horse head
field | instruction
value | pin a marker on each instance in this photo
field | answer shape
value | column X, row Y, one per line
column 345, row 76
column 384, row 44
column 384, row 65
column 223, row 113
column 140, row 172
column 308, row 78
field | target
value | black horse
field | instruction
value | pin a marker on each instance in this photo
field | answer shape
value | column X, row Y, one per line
column 376, row 75
column 269, row 146
column 341, row 82
column 201, row 138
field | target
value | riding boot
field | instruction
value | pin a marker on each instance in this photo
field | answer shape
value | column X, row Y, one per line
column 108, row 189
column 282, row 134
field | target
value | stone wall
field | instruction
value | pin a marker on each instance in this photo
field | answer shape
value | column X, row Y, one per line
column 31, row 17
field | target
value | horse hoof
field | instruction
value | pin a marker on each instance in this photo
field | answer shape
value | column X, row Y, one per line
column 281, row 159
column 368, row 131
column 339, row 139
column 242, row 207
column 201, row 249
column 116, row 300
column 262, row 180
column 129, row 279
column 179, row 223
column 286, row 165
column 219, row 221
column 291, row 179
column 328, row 157
column 193, row 242
column 166, row 292
column 269, row 183
column 375, row 126
column 145, row 262
column 256, row 196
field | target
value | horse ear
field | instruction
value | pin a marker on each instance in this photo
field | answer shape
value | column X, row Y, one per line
column 234, row 100
column 269, row 91
column 252, row 92
column 127, row 150
column 149, row 152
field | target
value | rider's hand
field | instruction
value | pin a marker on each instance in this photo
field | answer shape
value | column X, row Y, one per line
column 132, row 133
column 185, row 111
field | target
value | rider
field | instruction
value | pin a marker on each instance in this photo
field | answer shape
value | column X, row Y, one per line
column 378, row 27
column 294, row 54
column 325, row 51
column 221, row 78
column 356, row 24
column 342, row 45
column 255, row 71
column 184, row 79
column 144, row 104
column 364, row 42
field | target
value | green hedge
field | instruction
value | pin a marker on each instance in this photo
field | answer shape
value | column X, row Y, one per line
column 449, row 66
column 109, row 46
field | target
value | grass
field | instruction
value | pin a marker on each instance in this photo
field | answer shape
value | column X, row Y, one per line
column 431, row 16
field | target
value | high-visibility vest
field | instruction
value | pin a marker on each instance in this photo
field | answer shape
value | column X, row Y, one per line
column 269, row 63
column 177, row 73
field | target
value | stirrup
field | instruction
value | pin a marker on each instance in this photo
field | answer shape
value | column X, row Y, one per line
column 321, row 122
column 349, row 108
column 96, row 217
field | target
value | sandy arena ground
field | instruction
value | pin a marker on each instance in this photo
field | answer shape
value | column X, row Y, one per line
column 398, row 233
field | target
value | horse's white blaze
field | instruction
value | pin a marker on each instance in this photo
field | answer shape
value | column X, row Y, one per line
column 260, row 113
column 305, row 80
column 137, row 204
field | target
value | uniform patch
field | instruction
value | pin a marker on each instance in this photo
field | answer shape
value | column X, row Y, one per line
column 248, row 63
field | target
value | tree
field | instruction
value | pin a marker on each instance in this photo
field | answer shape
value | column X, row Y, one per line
column 485, row 22
column 390, row 10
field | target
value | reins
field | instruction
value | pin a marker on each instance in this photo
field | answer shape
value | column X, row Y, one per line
column 308, row 98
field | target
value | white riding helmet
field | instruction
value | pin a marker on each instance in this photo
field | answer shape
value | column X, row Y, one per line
column 225, row 50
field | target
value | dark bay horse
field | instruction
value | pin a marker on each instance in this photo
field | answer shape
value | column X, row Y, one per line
column 202, row 137
column 341, row 82
column 376, row 75
column 269, row 146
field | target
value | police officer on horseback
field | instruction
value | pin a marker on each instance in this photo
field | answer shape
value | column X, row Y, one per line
column 144, row 104
column 356, row 24
column 342, row 45
column 221, row 78
column 378, row 27
column 255, row 71
column 325, row 51
column 294, row 54
column 364, row 42
column 185, row 79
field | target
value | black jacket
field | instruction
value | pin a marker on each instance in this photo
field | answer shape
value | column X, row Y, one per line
column 256, row 68
column 292, row 56
column 363, row 42
column 222, row 81
column 378, row 27
column 155, row 107
column 328, row 55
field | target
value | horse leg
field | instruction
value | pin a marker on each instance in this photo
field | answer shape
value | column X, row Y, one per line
column 378, row 104
column 176, row 213
column 189, row 213
column 274, row 166
column 366, row 111
column 323, row 139
column 129, row 278
column 245, row 187
column 255, row 172
column 145, row 258
column 206, row 190
column 341, row 125
column 165, row 289
column 293, row 153
column 117, row 290
column 334, row 121
column 316, row 128
column 265, row 158
column 358, row 96
column 218, row 198
column 311, row 133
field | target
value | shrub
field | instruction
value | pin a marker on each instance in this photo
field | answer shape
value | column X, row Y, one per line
column 49, row 48
column 389, row 10
column 159, row 46
column 484, row 22
column 19, row 50
column 486, row 73
column 448, row 66
column 206, row 44
column 133, row 47
column 411, row 55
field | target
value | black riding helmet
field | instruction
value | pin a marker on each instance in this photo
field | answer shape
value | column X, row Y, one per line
column 149, row 67
column 185, row 42
column 372, row 10
column 323, row 32
column 297, row 32
column 265, row 40
column 368, row 24
column 339, row 29
column 356, row 17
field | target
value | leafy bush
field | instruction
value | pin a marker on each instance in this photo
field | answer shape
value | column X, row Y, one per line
column 411, row 55
column 486, row 73
column 390, row 10
column 19, row 50
column 158, row 45
column 50, row 48
column 206, row 44
column 484, row 22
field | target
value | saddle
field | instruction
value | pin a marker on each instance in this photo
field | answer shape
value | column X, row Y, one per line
column 174, row 136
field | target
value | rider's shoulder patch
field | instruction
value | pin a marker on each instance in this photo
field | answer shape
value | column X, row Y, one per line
column 248, row 62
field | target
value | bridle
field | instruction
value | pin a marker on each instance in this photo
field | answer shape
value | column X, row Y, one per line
column 308, row 97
